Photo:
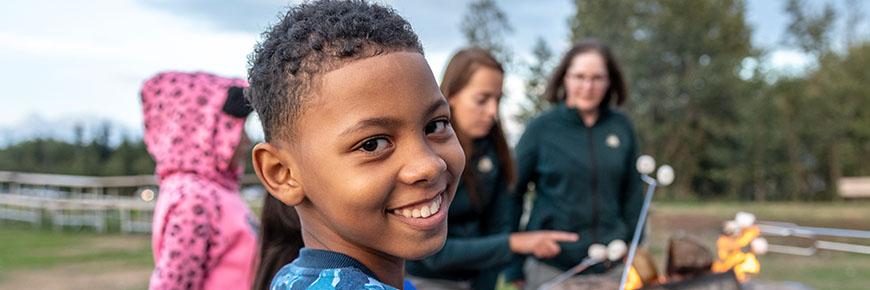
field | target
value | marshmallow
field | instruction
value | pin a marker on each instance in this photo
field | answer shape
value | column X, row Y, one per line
column 616, row 250
column 646, row 164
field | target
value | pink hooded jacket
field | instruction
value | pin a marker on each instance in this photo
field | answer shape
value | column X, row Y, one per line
column 203, row 235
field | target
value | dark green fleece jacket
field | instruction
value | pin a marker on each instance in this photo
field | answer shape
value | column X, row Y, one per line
column 477, row 244
column 585, row 179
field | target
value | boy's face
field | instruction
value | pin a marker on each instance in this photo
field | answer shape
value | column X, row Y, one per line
column 375, row 144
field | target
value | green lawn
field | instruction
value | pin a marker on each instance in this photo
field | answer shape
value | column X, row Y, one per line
column 72, row 260
column 45, row 259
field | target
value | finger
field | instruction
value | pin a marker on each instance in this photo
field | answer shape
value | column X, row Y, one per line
column 555, row 249
column 563, row 236
column 541, row 254
column 548, row 250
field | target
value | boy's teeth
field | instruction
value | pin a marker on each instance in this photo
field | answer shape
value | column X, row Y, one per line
column 423, row 211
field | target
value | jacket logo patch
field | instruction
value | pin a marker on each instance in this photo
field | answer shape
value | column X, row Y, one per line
column 612, row 141
column 484, row 165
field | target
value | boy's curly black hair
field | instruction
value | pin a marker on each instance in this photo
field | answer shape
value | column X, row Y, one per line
column 311, row 40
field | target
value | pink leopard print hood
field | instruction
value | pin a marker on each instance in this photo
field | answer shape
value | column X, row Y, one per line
column 185, row 129
column 203, row 236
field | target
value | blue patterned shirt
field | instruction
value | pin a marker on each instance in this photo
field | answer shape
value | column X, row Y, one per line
column 326, row 270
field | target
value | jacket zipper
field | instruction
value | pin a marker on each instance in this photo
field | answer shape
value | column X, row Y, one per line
column 594, row 163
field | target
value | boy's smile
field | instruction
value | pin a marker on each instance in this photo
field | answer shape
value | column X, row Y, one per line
column 426, row 214
column 376, row 159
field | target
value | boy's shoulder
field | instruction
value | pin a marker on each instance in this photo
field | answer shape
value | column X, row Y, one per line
column 295, row 277
column 324, row 270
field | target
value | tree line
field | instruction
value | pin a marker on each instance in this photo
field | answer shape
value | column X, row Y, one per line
column 96, row 157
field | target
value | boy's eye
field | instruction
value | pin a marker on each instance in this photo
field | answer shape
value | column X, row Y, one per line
column 374, row 145
column 437, row 127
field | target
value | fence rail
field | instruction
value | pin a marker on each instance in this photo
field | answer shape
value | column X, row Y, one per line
column 82, row 201
column 134, row 215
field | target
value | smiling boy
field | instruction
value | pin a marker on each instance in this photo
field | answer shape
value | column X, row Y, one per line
column 358, row 140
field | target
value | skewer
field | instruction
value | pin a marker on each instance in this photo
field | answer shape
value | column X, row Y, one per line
column 598, row 253
column 665, row 175
column 792, row 230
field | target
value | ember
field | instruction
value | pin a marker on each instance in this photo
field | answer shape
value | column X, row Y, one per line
column 634, row 281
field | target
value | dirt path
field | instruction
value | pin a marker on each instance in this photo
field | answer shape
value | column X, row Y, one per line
column 93, row 275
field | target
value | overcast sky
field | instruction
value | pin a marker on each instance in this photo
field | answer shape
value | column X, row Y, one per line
column 67, row 62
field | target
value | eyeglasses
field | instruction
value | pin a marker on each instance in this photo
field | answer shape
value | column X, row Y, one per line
column 596, row 80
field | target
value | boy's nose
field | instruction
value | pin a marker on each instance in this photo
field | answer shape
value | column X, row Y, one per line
column 423, row 165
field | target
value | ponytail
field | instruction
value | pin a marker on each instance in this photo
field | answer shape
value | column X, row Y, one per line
column 280, row 240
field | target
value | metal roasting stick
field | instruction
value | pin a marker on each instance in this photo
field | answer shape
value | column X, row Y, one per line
column 586, row 263
column 598, row 253
column 664, row 176
column 792, row 230
column 638, row 228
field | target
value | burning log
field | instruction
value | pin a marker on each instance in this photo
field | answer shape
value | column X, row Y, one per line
column 719, row 281
column 687, row 259
column 645, row 268
column 689, row 266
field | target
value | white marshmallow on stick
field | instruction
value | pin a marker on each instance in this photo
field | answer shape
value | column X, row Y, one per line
column 616, row 250
column 758, row 246
column 744, row 219
column 598, row 252
column 665, row 175
column 646, row 164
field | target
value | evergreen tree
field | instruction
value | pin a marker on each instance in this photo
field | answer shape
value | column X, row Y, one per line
column 486, row 25
column 537, row 75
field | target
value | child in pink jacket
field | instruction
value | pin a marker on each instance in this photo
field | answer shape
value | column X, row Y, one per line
column 203, row 235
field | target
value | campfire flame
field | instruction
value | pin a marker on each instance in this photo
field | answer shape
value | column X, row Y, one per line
column 731, row 255
column 633, row 281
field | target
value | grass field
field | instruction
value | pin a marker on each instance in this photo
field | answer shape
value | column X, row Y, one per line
column 43, row 259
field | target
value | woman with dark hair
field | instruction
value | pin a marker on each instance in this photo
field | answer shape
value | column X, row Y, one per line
column 479, row 239
column 580, row 155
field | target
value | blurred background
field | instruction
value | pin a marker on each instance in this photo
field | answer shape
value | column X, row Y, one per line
column 759, row 105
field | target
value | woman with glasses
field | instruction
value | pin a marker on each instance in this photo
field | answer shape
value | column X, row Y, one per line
column 580, row 155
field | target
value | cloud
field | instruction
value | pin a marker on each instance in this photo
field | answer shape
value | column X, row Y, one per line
column 231, row 15
column 89, row 59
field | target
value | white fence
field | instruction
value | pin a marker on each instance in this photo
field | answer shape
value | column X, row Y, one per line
column 133, row 215
column 81, row 201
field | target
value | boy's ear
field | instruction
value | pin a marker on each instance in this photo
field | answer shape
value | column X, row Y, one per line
column 273, row 166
